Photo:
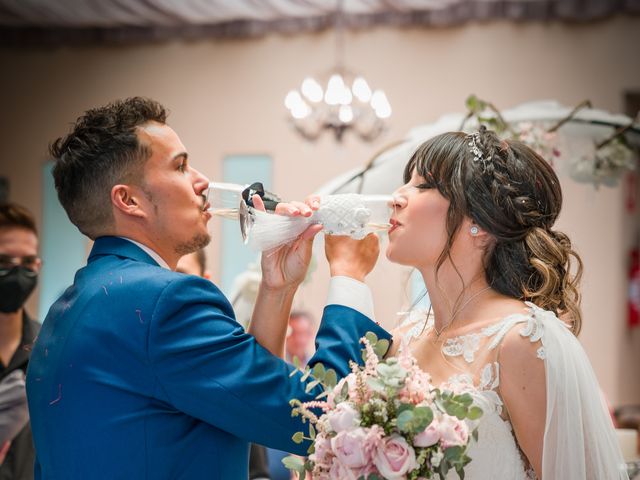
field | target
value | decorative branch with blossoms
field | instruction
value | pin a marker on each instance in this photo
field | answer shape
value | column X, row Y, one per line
column 384, row 420
column 603, row 163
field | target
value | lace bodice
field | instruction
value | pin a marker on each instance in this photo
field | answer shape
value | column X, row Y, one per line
column 475, row 358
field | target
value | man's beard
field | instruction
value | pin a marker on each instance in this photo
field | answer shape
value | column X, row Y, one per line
column 196, row 243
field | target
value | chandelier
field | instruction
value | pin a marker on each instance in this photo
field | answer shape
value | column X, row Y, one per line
column 339, row 101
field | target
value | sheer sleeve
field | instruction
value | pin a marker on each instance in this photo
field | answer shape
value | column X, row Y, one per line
column 579, row 437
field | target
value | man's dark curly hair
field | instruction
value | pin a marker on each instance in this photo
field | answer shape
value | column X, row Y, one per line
column 101, row 151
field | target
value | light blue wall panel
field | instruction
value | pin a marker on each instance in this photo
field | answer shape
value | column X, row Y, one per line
column 235, row 256
column 419, row 294
column 63, row 247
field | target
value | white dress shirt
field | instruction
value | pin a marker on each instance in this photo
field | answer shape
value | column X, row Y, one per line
column 152, row 253
column 352, row 293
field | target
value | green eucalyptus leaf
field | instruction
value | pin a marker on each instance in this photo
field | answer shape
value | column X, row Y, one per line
column 381, row 348
column 318, row 371
column 296, row 464
column 344, row 391
column 465, row 399
column 298, row 437
column 311, row 385
column 423, row 417
column 293, row 462
column 375, row 384
column 451, row 454
column 405, row 421
column 312, row 432
column 331, row 378
column 372, row 337
column 471, row 102
column 474, row 413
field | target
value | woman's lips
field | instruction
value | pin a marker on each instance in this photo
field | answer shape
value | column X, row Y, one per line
column 394, row 225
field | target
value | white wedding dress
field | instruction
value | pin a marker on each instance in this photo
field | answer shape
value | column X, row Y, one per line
column 579, row 439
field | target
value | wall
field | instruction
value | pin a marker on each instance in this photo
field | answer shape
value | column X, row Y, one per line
column 226, row 97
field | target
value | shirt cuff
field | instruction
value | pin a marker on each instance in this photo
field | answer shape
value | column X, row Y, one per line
column 349, row 292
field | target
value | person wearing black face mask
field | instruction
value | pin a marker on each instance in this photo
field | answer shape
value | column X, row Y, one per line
column 19, row 268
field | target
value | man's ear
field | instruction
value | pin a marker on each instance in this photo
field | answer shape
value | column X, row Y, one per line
column 127, row 199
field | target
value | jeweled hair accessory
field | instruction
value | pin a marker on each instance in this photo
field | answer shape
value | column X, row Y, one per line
column 474, row 148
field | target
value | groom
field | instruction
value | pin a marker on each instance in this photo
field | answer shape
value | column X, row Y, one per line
column 141, row 372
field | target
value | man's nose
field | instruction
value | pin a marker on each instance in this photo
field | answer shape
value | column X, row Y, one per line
column 200, row 181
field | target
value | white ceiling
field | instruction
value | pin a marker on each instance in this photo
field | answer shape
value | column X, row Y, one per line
column 119, row 13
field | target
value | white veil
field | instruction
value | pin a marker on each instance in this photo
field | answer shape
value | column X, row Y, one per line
column 579, row 438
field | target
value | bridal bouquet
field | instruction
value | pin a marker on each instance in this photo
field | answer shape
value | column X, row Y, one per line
column 384, row 420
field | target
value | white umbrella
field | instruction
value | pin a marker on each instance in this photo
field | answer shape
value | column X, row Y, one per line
column 576, row 139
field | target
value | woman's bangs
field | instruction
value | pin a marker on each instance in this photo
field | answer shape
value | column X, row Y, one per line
column 438, row 159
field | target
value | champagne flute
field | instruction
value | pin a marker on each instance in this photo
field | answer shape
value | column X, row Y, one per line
column 349, row 214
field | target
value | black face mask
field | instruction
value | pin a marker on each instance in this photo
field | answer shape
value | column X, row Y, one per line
column 15, row 288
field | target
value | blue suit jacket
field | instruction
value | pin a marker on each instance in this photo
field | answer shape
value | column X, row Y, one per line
column 143, row 373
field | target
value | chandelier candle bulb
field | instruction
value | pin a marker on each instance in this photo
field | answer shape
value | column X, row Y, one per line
column 361, row 90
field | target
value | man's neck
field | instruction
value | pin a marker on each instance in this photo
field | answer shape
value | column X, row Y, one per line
column 10, row 334
column 157, row 256
column 10, row 325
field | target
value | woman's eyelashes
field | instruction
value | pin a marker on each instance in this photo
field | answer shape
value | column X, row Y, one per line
column 426, row 185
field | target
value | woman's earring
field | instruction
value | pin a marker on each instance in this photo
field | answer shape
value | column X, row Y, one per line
column 474, row 230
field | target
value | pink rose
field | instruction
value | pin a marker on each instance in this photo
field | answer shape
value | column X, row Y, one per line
column 322, row 454
column 394, row 458
column 429, row 436
column 341, row 472
column 344, row 417
column 453, row 432
column 355, row 448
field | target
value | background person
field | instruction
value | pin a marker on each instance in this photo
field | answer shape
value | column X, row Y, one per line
column 300, row 334
column 19, row 268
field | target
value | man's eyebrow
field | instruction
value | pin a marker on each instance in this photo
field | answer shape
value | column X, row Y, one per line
column 181, row 155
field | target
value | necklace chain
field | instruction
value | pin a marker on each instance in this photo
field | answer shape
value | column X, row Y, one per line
column 457, row 311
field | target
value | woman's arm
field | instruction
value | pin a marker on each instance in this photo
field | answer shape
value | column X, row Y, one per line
column 523, row 390
column 283, row 269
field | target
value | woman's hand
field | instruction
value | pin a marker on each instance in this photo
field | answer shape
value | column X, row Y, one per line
column 283, row 269
column 351, row 258
column 286, row 266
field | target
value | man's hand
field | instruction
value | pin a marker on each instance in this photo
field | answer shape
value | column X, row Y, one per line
column 285, row 267
column 351, row 258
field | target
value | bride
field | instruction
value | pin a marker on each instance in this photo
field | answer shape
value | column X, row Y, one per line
column 475, row 218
